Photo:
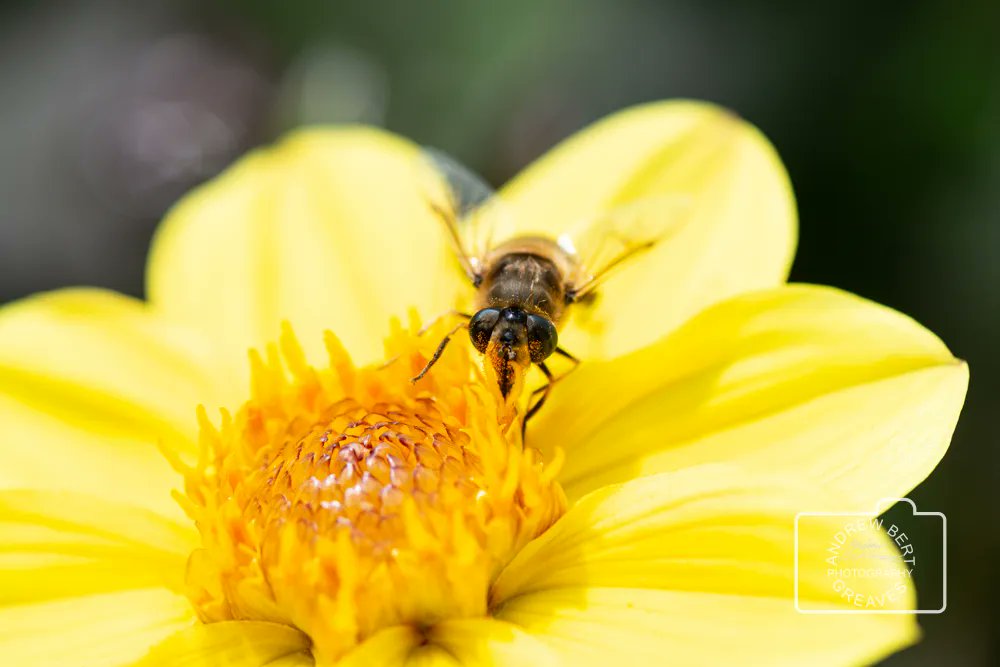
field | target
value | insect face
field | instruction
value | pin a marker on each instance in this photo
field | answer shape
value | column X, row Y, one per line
column 502, row 335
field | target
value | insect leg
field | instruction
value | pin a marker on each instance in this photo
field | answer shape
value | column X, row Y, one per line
column 441, row 316
column 438, row 351
column 544, row 390
column 537, row 405
column 563, row 353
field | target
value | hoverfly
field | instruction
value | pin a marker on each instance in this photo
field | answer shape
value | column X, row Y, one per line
column 525, row 283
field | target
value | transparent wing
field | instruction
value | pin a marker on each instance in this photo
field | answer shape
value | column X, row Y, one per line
column 472, row 213
column 607, row 241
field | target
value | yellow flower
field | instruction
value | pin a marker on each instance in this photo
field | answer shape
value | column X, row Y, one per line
column 339, row 514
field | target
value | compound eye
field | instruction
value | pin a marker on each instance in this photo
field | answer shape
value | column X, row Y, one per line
column 542, row 338
column 481, row 327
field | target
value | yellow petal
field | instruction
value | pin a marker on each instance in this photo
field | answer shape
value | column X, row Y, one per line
column 740, row 236
column 622, row 626
column 330, row 229
column 42, row 451
column 63, row 545
column 293, row 660
column 488, row 642
column 388, row 647
column 697, row 565
column 431, row 656
column 800, row 380
column 709, row 528
column 90, row 381
column 230, row 644
column 109, row 630
column 301, row 659
column 104, row 360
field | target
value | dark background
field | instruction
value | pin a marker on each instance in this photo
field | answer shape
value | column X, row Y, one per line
column 886, row 114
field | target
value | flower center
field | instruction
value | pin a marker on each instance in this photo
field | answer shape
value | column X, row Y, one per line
column 345, row 500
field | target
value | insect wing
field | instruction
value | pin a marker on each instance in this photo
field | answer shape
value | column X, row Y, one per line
column 471, row 211
column 607, row 241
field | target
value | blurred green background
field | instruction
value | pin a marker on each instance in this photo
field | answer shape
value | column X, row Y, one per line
column 886, row 114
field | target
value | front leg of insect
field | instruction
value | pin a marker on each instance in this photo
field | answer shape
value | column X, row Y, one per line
column 438, row 352
column 437, row 318
column 536, row 404
column 542, row 393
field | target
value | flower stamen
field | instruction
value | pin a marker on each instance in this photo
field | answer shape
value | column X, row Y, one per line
column 345, row 500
